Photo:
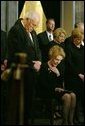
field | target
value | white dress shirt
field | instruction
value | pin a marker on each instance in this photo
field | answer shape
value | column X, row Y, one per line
column 50, row 36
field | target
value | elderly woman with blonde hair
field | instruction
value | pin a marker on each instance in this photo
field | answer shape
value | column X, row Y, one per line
column 49, row 84
column 74, row 73
column 59, row 36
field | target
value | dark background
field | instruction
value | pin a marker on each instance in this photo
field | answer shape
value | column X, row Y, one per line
column 50, row 8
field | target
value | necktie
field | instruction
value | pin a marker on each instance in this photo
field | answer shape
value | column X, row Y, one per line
column 50, row 39
column 31, row 37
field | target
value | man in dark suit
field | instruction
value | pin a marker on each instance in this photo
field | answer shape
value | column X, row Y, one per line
column 23, row 39
column 45, row 37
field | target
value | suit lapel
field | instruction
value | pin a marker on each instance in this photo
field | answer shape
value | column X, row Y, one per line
column 27, row 37
column 45, row 37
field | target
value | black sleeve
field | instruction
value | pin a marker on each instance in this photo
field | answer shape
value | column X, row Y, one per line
column 3, row 46
column 70, row 65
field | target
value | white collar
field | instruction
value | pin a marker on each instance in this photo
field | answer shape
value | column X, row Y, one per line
column 48, row 33
column 22, row 23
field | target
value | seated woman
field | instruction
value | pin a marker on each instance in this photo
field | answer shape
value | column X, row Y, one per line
column 48, row 83
column 59, row 36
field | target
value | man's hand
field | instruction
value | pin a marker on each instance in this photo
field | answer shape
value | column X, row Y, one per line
column 81, row 76
column 37, row 65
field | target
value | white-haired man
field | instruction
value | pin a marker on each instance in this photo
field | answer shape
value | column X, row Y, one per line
column 22, row 38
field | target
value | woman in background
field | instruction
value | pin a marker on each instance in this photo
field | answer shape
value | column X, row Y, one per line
column 74, row 73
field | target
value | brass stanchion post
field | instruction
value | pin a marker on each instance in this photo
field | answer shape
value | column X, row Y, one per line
column 18, row 75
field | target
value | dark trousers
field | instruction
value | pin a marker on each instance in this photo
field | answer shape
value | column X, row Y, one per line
column 30, row 80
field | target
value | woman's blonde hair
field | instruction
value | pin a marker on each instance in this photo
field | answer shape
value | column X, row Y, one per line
column 58, row 32
column 55, row 51
column 76, row 33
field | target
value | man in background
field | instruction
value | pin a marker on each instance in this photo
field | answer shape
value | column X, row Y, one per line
column 45, row 37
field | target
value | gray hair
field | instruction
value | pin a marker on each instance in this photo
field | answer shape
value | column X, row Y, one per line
column 33, row 16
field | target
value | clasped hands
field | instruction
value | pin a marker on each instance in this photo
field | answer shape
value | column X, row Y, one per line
column 55, row 70
column 37, row 65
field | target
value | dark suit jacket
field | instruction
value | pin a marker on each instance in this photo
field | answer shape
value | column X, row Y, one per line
column 19, row 41
column 43, row 42
column 3, row 45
